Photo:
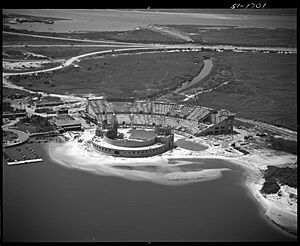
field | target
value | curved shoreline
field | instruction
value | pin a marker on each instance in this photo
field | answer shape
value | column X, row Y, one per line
column 253, row 182
column 271, row 211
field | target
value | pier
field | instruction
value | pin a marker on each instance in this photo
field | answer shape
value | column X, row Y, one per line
column 16, row 162
column 18, row 157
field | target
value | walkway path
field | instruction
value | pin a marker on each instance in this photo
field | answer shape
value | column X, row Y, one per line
column 71, row 60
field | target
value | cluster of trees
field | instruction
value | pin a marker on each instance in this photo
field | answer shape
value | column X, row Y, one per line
column 285, row 145
column 270, row 187
column 278, row 175
column 6, row 107
column 44, row 110
column 51, row 98
column 40, row 124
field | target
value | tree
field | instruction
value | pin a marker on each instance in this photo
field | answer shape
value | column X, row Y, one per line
column 270, row 187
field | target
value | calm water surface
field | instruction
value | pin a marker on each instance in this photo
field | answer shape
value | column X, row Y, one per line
column 120, row 20
column 48, row 202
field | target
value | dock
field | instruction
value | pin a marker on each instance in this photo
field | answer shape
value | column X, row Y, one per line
column 16, row 162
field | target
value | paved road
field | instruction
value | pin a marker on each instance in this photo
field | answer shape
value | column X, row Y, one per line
column 68, row 45
column 72, row 60
column 22, row 137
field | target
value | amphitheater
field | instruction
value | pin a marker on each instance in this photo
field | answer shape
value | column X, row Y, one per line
column 141, row 128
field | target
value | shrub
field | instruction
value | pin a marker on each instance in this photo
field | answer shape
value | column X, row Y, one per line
column 270, row 187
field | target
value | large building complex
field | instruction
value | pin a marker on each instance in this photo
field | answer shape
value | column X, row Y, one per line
column 164, row 117
column 194, row 120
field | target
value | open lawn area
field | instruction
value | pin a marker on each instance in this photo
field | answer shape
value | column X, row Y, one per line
column 137, row 75
column 8, row 136
column 262, row 87
column 136, row 36
column 12, row 39
column 278, row 37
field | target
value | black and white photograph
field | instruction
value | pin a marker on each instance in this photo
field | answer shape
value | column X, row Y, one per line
column 149, row 124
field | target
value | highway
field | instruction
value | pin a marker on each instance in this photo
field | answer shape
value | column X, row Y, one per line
column 74, row 59
column 67, row 45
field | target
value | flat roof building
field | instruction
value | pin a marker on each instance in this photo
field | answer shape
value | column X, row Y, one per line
column 66, row 123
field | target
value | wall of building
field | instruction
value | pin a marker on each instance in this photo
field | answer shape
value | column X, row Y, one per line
column 167, row 140
column 13, row 115
column 131, row 153
column 123, row 118
column 224, row 127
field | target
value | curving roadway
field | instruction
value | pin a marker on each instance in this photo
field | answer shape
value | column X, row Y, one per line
column 286, row 132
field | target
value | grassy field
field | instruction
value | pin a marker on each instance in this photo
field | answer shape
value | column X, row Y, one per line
column 19, row 54
column 281, row 144
column 182, row 143
column 8, row 92
column 12, row 39
column 230, row 35
column 141, row 134
column 278, row 37
column 9, row 136
column 35, row 124
column 136, row 36
column 32, row 18
column 137, row 75
column 32, row 68
column 262, row 87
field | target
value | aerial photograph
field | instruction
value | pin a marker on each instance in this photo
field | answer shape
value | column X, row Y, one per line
column 149, row 124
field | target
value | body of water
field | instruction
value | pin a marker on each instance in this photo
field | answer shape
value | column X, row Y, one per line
column 48, row 202
column 122, row 20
